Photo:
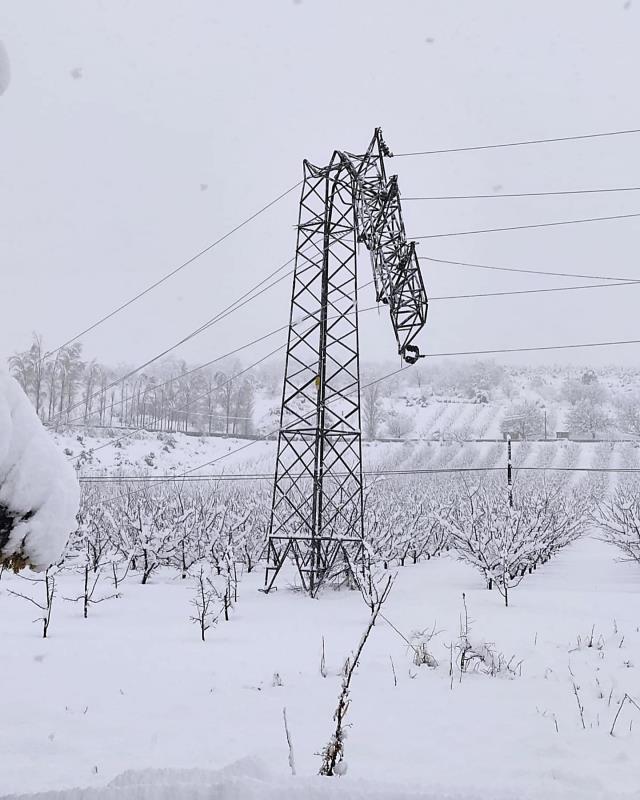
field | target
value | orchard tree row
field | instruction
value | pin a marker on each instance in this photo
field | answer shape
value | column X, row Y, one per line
column 138, row 528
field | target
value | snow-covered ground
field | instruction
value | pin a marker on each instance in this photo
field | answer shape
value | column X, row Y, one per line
column 133, row 688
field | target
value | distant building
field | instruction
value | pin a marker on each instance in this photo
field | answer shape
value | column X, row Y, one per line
column 562, row 434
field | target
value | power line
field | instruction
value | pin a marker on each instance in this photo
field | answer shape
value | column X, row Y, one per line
column 509, row 293
column 245, row 446
column 243, row 300
column 371, row 308
column 221, row 315
column 155, row 387
column 217, row 387
column 494, row 351
column 202, row 366
column 520, row 143
column 512, row 293
column 266, row 476
column 274, row 431
column 522, row 194
column 236, row 305
column 532, row 349
column 396, row 372
column 521, row 270
column 264, row 208
column 525, row 227
column 173, row 272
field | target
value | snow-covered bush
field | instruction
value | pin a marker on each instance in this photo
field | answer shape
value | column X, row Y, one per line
column 420, row 646
column 478, row 655
column 38, row 487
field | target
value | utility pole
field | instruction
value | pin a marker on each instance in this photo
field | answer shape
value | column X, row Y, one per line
column 509, row 477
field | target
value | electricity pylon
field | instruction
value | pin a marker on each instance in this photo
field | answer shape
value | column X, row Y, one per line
column 317, row 512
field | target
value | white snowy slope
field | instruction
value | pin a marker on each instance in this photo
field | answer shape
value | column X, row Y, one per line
column 5, row 70
column 39, row 494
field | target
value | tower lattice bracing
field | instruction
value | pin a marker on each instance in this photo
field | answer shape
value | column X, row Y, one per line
column 317, row 510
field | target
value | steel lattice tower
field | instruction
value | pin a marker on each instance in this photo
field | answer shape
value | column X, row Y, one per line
column 317, row 511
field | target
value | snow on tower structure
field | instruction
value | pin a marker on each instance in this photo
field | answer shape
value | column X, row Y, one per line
column 39, row 492
column 317, row 508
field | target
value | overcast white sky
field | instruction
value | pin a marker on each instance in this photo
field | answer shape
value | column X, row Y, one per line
column 120, row 110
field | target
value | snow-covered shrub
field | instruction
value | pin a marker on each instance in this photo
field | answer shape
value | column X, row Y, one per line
column 478, row 655
column 39, row 492
column 420, row 644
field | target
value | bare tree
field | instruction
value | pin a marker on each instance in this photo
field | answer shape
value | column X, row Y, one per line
column 587, row 417
column 29, row 370
column 628, row 413
column 46, row 605
column 206, row 601
column 526, row 417
column 400, row 423
column 372, row 413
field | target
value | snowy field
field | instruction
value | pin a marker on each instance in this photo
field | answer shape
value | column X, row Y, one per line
column 174, row 454
column 133, row 688
column 130, row 703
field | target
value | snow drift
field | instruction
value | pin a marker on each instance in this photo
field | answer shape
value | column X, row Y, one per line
column 248, row 780
column 39, row 493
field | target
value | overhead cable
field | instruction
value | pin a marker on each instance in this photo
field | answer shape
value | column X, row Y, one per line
column 520, row 143
column 173, row 272
column 522, row 270
column 494, row 195
column 527, row 227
